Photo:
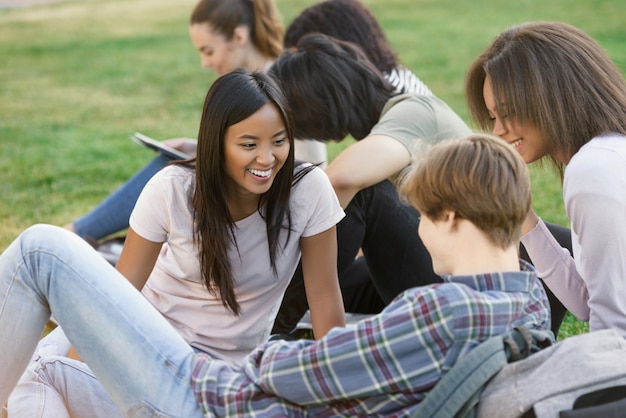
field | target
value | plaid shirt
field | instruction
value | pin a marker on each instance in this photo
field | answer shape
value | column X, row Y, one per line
column 383, row 366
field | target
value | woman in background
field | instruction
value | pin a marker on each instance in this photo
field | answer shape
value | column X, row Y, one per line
column 352, row 21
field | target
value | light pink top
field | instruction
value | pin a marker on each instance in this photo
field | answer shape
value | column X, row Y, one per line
column 163, row 214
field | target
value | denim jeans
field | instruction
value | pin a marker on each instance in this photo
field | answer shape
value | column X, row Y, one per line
column 54, row 386
column 143, row 363
column 113, row 213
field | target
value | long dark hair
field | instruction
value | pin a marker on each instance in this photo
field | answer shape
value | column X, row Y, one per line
column 232, row 98
column 332, row 87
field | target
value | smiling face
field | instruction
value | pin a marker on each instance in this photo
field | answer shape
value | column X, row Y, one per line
column 255, row 149
column 526, row 139
column 216, row 52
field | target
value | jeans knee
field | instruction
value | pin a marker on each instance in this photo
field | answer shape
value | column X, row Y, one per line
column 39, row 235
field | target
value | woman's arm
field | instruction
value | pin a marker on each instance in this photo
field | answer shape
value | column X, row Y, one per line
column 138, row 258
column 365, row 163
column 321, row 281
column 556, row 267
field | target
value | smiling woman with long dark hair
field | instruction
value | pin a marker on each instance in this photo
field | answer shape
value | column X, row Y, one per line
column 213, row 243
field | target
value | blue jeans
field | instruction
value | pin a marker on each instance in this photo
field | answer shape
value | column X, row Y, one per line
column 113, row 213
column 143, row 363
column 55, row 386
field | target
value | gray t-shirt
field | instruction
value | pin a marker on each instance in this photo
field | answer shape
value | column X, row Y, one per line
column 409, row 118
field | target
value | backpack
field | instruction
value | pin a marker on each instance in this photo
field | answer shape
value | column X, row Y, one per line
column 581, row 376
column 458, row 392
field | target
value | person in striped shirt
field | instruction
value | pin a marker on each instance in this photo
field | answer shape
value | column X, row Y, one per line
column 473, row 193
column 352, row 21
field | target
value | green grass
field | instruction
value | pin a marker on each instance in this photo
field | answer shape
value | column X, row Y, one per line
column 77, row 77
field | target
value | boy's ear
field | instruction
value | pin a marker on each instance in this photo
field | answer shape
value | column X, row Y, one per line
column 241, row 35
column 450, row 219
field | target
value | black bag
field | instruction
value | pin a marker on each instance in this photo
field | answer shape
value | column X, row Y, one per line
column 606, row 403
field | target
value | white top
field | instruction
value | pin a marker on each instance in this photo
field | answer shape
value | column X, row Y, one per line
column 592, row 285
column 163, row 213
column 405, row 81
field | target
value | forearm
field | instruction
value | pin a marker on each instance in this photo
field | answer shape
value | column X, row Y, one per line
column 321, row 281
column 557, row 268
column 365, row 163
column 327, row 314
column 318, row 372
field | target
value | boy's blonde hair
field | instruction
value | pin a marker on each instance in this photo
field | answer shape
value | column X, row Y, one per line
column 479, row 177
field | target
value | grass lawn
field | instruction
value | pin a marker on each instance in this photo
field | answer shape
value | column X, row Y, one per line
column 77, row 77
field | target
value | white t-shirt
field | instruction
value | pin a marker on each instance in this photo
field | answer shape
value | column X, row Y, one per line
column 163, row 213
column 405, row 81
column 593, row 284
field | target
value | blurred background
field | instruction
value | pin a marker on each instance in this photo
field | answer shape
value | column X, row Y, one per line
column 78, row 77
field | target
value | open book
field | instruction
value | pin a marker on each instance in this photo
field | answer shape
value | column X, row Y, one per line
column 159, row 146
